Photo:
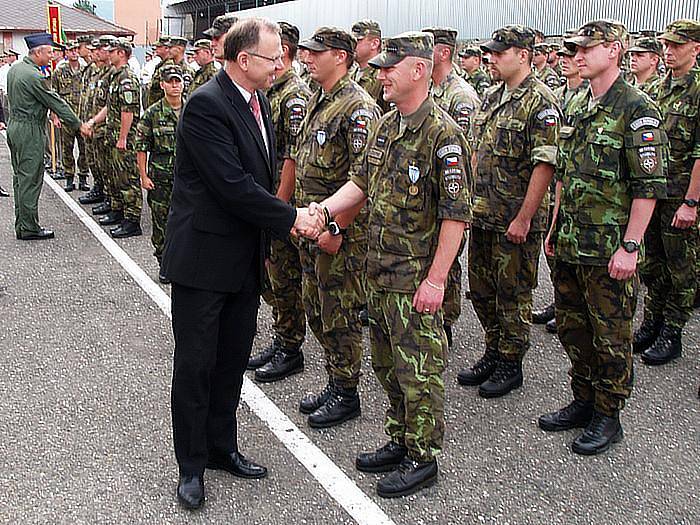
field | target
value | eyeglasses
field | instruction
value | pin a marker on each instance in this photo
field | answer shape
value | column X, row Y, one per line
column 274, row 59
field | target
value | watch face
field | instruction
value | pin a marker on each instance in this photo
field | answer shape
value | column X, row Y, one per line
column 630, row 246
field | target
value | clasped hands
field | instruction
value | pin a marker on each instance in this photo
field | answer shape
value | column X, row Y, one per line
column 310, row 222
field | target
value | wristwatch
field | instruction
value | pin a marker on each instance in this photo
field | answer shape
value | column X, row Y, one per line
column 334, row 229
column 691, row 203
column 630, row 246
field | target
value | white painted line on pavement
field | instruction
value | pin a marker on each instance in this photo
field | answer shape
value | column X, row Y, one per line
column 336, row 483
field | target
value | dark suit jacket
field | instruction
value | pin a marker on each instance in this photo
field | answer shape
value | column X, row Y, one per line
column 221, row 205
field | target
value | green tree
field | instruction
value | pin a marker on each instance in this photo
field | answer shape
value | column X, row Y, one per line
column 85, row 5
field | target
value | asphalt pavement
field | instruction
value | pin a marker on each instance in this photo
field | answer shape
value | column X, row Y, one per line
column 85, row 369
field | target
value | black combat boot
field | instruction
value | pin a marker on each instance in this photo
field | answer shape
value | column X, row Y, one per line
column 70, row 186
column 507, row 376
column 410, row 477
column 82, row 182
column 479, row 371
column 312, row 402
column 600, row 433
column 577, row 414
column 364, row 317
column 264, row 357
column 448, row 333
column 102, row 209
column 646, row 334
column 285, row 362
column 343, row 404
column 59, row 174
column 544, row 315
column 551, row 326
column 113, row 217
column 667, row 347
column 126, row 229
column 384, row 459
column 94, row 196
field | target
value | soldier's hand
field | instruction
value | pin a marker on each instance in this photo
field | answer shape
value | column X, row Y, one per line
column 330, row 243
column 55, row 120
column 85, row 129
column 147, row 183
column 2, row 126
column 622, row 265
column 549, row 245
column 517, row 231
column 121, row 144
column 428, row 298
column 684, row 217
column 308, row 224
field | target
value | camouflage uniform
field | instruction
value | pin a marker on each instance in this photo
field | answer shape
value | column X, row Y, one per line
column 100, row 150
column 648, row 45
column 479, row 80
column 204, row 73
column 549, row 77
column 416, row 174
column 125, row 180
column 609, row 155
column 85, row 112
column 155, row 92
column 288, row 96
column 155, row 134
column 367, row 77
column 329, row 149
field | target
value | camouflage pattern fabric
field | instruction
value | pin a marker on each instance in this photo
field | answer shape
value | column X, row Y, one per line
column 68, row 83
column 155, row 133
column 459, row 100
column 96, row 97
column 549, row 76
column 329, row 149
column 367, row 79
column 564, row 94
column 651, row 86
column 155, row 92
column 201, row 77
column 594, row 321
column 479, row 80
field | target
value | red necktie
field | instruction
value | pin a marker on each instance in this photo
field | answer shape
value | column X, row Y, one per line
column 255, row 108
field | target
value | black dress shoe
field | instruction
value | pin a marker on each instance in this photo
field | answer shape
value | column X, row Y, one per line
column 343, row 404
column 448, row 334
column 190, row 491
column 411, row 476
column 666, row 348
column 263, row 357
column 577, row 414
column 551, row 326
column 127, row 229
column 312, row 402
column 507, row 376
column 234, row 463
column 600, row 433
column 113, row 217
column 284, row 363
column 364, row 317
column 544, row 315
column 384, row 459
column 93, row 196
column 41, row 235
column 3, row 193
column 479, row 371
column 646, row 334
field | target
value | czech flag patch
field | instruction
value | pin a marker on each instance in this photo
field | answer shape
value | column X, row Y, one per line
column 451, row 162
column 648, row 136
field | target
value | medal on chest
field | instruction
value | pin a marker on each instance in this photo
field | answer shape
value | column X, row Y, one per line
column 413, row 176
column 321, row 137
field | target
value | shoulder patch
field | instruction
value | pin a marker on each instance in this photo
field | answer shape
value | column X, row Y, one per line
column 551, row 112
column 644, row 121
column 464, row 107
column 454, row 149
column 296, row 102
column 361, row 113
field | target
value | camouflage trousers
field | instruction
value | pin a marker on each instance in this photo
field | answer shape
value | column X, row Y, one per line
column 594, row 320
column 409, row 351
column 96, row 162
column 502, row 276
column 333, row 295
column 159, row 202
column 125, row 183
column 452, row 302
column 284, row 293
column 669, row 267
column 68, row 139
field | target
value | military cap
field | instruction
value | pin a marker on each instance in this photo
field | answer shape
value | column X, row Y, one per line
column 120, row 43
column 682, row 32
column 84, row 39
column 106, row 40
column 94, row 43
column 290, row 33
column 326, row 38
column 443, row 35
column 202, row 43
column 646, row 45
column 11, row 52
column 365, row 27
column 510, row 36
column 163, row 40
column 596, row 32
column 72, row 44
column 564, row 51
column 410, row 44
column 170, row 71
column 177, row 41
column 221, row 25
column 40, row 39
column 470, row 51
column 542, row 47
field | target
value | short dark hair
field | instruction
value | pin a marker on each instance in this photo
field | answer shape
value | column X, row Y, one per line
column 245, row 34
column 292, row 48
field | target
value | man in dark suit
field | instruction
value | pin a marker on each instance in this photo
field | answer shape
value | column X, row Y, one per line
column 216, row 242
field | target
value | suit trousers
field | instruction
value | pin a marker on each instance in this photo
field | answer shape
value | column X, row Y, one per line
column 214, row 334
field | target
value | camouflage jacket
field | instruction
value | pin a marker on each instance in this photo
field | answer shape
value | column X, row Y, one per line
column 123, row 98
column 564, row 95
column 459, row 100
column 68, row 83
column 679, row 102
column 515, row 135
column 331, row 143
column 102, row 81
column 367, row 79
column 288, row 96
column 155, row 133
column 651, row 86
column 202, row 76
column 155, row 92
column 87, row 93
column 415, row 173
column 479, row 80
column 549, row 77
column 609, row 155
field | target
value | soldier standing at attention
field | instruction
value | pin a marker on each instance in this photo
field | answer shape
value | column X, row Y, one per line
column 155, row 139
column 543, row 71
column 204, row 56
column 288, row 96
column 67, row 81
column 610, row 174
column 30, row 98
column 518, row 129
column 671, row 241
column 645, row 56
column 329, row 150
column 470, row 62
column 459, row 99
column 416, row 174
column 217, row 33
column 368, row 34
column 121, row 117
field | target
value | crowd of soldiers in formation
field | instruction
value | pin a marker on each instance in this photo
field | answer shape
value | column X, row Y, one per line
column 646, row 147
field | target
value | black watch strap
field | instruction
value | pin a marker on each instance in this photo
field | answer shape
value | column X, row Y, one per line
column 630, row 246
column 692, row 203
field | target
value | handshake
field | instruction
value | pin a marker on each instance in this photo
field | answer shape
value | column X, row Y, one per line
column 310, row 222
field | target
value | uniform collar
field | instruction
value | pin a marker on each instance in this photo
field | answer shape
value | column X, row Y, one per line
column 415, row 120
column 279, row 81
column 684, row 83
column 344, row 81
